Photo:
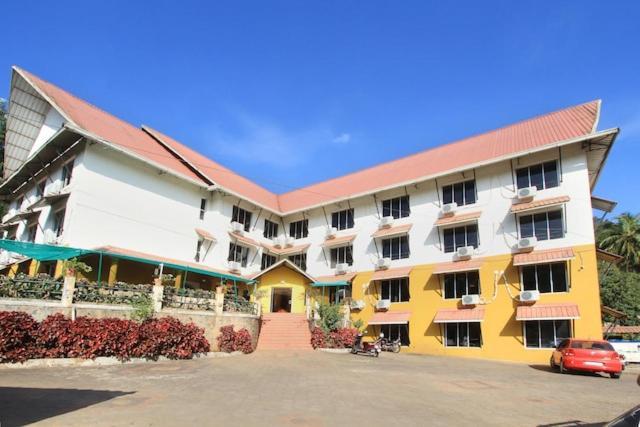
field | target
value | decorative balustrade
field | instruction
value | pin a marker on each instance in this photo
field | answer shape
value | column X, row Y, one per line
column 116, row 293
column 41, row 287
column 188, row 299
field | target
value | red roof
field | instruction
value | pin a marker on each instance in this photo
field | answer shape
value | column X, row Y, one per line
column 548, row 311
column 621, row 329
column 452, row 315
column 535, row 133
column 389, row 318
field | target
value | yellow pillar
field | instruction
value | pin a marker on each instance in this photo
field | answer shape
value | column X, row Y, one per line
column 13, row 270
column 33, row 267
column 113, row 271
column 59, row 267
column 178, row 283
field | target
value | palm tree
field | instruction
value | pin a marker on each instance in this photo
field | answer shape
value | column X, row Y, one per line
column 623, row 238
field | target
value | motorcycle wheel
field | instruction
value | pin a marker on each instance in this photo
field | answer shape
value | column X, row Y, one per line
column 396, row 349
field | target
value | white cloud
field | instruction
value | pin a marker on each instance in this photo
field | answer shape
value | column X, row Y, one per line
column 343, row 138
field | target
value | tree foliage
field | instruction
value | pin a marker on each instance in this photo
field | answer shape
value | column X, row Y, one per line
column 623, row 238
column 621, row 290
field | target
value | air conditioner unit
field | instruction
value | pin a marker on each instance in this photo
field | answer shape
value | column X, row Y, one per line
column 54, row 188
column 331, row 232
column 527, row 193
column 528, row 296
column 471, row 299
column 383, row 263
column 385, row 222
column 357, row 304
column 527, row 243
column 449, row 208
column 465, row 252
column 383, row 304
column 289, row 241
column 237, row 227
column 50, row 237
column 278, row 242
column 342, row 268
column 235, row 266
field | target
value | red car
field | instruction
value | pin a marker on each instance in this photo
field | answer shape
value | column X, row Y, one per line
column 587, row 355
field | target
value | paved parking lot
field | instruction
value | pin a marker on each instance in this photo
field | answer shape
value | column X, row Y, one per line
column 312, row 389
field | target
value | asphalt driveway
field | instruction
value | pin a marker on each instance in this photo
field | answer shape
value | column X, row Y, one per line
column 312, row 389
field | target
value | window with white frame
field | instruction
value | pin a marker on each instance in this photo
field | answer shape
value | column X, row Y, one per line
column 456, row 285
column 459, row 237
column 242, row 216
column 342, row 255
column 238, row 253
column 300, row 260
column 58, row 222
column 299, row 229
column 543, row 225
column 203, row 207
column 397, row 207
column 32, row 230
column 545, row 278
column 198, row 249
column 541, row 176
column 67, row 173
column 463, row 334
column 270, row 229
column 395, row 331
column 267, row 261
column 396, row 247
column 40, row 188
column 546, row 333
column 396, row 290
column 342, row 220
column 337, row 294
column 461, row 193
column 19, row 202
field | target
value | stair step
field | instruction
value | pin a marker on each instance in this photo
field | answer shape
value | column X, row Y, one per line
column 284, row 331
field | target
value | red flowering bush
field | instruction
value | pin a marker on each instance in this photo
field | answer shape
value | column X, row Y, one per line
column 22, row 338
column 16, row 336
column 230, row 340
column 342, row 338
column 317, row 338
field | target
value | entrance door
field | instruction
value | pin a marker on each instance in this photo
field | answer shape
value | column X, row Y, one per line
column 281, row 300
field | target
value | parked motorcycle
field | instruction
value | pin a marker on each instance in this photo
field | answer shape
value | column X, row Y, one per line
column 390, row 345
column 369, row 348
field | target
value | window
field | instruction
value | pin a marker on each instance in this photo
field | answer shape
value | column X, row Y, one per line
column 397, row 208
column 544, row 225
column 464, row 334
column 342, row 255
column 67, row 171
column 462, row 193
column 238, row 253
column 270, row 229
column 300, row 260
column 203, row 207
column 242, row 216
column 31, row 232
column 58, row 222
column 342, row 219
column 396, row 290
column 299, row 229
column 459, row 284
column 545, row 278
column 337, row 294
column 267, row 261
column 460, row 237
column 545, row 333
column 396, row 247
column 11, row 233
column 393, row 332
column 19, row 202
column 544, row 175
column 198, row 248
column 40, row 188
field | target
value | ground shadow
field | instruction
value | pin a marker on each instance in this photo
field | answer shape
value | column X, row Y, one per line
column 572, row 423
column 25, row 405
column 547, row 368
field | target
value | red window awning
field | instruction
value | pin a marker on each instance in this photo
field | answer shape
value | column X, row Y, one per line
column 338, row 241
column 243, row 240
column 455, row 315
column 205, row 235
column 392, row 273
column 390, row 318
column 537, row 204
column 548, row 311
column 543, row 257
column 347, row 277
column 457, row 266
column 392, row 231
column 457, row 219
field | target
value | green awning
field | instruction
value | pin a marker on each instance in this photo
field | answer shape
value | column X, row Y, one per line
column 42, row 252
column 330, row 284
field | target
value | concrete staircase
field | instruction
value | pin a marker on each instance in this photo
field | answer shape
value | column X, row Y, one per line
column 284, row 331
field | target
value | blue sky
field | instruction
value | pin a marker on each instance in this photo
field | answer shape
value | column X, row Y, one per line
column 290, row 93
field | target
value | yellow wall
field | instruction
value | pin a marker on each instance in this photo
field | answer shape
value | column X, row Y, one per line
column 502, row 335
column 284, row 277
